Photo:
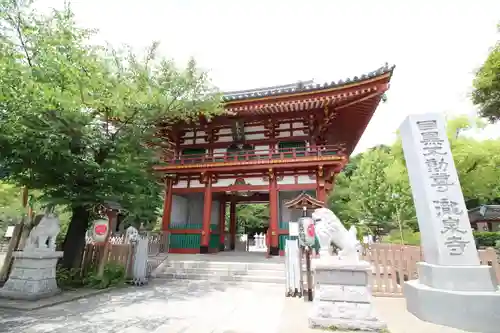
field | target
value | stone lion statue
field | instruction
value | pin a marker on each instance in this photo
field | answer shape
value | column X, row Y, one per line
column 43, row 235
column 132, row 235
column 330, row 230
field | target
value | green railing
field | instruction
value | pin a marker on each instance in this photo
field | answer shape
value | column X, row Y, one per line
column 193, row 241
column 185, row 241
column 282, row 241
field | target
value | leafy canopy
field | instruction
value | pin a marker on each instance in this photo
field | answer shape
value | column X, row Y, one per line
column 75, row 117
column 373, row 191
column 486, row 92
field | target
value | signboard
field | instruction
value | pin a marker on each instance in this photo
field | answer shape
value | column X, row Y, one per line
column 293, row 228
column 100, row 230
column 307, row 233
column 9, row 231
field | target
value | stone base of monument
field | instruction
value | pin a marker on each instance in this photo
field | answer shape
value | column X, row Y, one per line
column 463, row 297
column 33, row 275
column 342, row 298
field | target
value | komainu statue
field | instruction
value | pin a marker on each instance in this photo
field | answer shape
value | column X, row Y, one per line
column 330, row 230
column 43, row 235
column 132, row 235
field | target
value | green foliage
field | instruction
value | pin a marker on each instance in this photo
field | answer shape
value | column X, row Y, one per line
column 252, row 216
column 75, row 117
column 114, row 275
column 409, row 237
column 374, row 193
column 486, row 92
column 486, row 239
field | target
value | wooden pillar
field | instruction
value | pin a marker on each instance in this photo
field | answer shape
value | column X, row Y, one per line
column 232, row 226
column 167, row 205
column 273, row 214
column 222, row 224
column 207, row 212
column 320, row 185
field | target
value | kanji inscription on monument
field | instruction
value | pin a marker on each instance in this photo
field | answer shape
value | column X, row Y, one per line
column 444, row 224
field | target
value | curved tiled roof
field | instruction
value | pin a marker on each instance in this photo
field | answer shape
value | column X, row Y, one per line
column 301, row 86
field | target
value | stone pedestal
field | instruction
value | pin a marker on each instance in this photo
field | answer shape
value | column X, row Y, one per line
column 342, row 298
column 33, row 275
column 464, row 297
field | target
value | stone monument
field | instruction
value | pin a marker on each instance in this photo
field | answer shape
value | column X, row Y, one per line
column 453, row 289
column 342, row 298
column 33, row 274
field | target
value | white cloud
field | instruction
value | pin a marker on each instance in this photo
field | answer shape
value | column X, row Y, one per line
column 436, row 45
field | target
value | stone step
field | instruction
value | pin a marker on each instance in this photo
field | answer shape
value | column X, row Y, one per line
column 241, row 266
column 221, row 271
column 214, row 277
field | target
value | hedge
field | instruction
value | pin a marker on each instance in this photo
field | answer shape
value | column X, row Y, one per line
column 486, row 239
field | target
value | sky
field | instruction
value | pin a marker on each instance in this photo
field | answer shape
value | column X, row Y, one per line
column 436, row 45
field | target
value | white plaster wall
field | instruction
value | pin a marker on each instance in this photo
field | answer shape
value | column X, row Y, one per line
column 195, row 183
column 257, row 136
column 181, row 184
column 225, row 138
column 253, row 128
column 224, row 182
column 256, row 181
column 298, row 133
column 195, row 208
column 214, row 214
column 179, row 212
column 261, row 149
column 302, row 179
column 283, row 134
column 287, row 180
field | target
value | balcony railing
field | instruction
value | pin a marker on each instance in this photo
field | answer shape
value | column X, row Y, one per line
column 262, row 155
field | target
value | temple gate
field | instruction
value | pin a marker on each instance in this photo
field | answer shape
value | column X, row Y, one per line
column 270, row 145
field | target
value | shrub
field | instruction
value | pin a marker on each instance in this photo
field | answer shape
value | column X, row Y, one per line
column 114, row 275
column 409, row 237
column 486, row 239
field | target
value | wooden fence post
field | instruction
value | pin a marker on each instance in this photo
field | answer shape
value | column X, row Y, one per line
column 13, row 243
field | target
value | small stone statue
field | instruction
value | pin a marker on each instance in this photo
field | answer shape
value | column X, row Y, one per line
column 132, row 235
column 330, row 230
column 43, row 236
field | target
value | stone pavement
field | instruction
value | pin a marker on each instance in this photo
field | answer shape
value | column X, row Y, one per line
column 191, row 307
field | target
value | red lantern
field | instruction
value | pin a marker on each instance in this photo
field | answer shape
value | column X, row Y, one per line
column 100, row 230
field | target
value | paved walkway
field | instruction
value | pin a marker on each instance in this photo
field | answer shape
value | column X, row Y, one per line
column 191, row 307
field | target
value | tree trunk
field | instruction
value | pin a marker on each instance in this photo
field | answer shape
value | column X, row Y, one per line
column 74, row 242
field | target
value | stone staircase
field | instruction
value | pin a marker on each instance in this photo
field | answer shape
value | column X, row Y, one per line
column 272, row 271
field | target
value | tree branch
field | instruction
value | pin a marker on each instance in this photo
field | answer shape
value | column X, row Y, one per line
column 17, row 27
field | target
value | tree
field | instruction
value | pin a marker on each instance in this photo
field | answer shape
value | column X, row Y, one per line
column 252, row 216
column 486, row 84
column 75, row 117
column 375, row 187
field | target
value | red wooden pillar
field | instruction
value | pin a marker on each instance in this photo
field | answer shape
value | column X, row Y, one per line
column 320, row 185
column 207, row 212
column 222, row 224
column 232, row 226
column 167, row 205
column 273, row 214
